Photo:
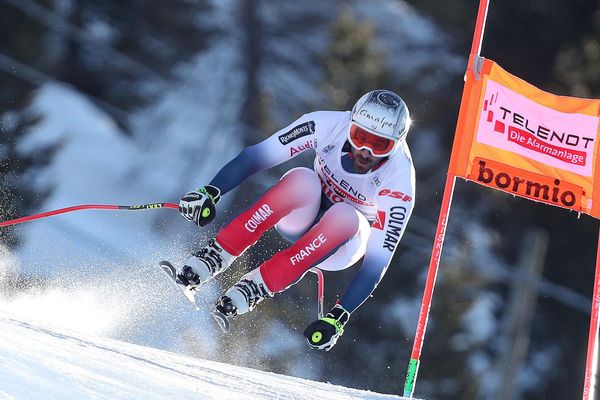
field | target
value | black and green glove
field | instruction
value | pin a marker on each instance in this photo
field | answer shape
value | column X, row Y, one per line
column 323, row 333
column 199, row 205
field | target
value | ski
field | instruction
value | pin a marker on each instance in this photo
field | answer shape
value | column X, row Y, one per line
column 190, row 294
column 221, row 320
column 171, row 272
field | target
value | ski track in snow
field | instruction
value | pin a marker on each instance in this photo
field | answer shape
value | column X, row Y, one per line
column 43, row 362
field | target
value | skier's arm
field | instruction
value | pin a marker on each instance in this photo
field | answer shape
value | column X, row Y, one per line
column 283, row 145
column 395, row 208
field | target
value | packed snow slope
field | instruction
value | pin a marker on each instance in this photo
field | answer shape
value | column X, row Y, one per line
column 44, row 362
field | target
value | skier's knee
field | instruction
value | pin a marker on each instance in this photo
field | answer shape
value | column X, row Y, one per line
column 344, row 216
column 303, row 180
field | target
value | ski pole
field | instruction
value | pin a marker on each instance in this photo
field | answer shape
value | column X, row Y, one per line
column 320, row 290
column 33, row 217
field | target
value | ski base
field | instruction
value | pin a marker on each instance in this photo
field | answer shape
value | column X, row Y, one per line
column 171, row 272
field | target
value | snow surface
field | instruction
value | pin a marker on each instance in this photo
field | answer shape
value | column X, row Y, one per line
column 41, row 361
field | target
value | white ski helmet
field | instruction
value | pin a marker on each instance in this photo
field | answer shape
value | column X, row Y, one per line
column 382, row 113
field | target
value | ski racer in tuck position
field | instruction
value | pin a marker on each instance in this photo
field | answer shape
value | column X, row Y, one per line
column 355, row 203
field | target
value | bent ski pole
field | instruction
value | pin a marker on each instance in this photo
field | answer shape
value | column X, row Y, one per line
column 33, row 217
column 320, row 290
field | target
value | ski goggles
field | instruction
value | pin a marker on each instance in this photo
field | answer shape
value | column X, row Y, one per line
column 362, row 139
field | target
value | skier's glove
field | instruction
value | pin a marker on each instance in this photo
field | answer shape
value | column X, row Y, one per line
column 199, row 205
column 324, row 332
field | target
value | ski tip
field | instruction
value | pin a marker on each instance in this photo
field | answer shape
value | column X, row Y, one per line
column 221, row 320
column 168, row 269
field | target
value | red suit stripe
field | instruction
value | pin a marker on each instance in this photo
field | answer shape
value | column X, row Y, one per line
column 336, row 227
column 296, row 189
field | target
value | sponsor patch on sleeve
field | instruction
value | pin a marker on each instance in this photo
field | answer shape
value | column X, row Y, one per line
column 297, row 132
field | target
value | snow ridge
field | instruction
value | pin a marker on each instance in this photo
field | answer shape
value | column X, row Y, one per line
column 54, row 363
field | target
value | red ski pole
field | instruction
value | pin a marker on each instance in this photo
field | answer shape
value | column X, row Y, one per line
column 33, row 217
column 320, row 290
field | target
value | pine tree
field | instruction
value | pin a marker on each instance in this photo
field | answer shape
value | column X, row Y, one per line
column 23, row 40
column 352, row 65
column 577, row 67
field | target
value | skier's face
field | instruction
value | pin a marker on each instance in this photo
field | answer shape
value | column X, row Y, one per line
column 363, row 161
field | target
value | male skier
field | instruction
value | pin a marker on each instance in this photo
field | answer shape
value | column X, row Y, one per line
column 354, row 203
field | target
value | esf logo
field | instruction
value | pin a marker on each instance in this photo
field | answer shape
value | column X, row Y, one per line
column 395, row 194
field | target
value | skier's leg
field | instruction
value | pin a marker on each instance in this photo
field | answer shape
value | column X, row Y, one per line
column 244, row 295
column 351, row 252
column 297, row 193
column 338, row 225
column 300, row 220
column 207, row 262
column 298, row 190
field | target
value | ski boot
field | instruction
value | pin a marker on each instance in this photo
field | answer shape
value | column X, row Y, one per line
column 241, row 298
column 204, row 265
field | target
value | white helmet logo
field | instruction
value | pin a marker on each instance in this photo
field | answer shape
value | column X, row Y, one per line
column 382, row 113
column 376, row 123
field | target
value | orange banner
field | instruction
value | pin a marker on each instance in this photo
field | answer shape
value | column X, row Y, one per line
column 517, row 138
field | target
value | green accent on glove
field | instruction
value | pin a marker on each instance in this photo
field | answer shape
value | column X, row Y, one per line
column 206, row 212
column 215, row 197
column 339, row 327
column 205, row 192
column 316, row 337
